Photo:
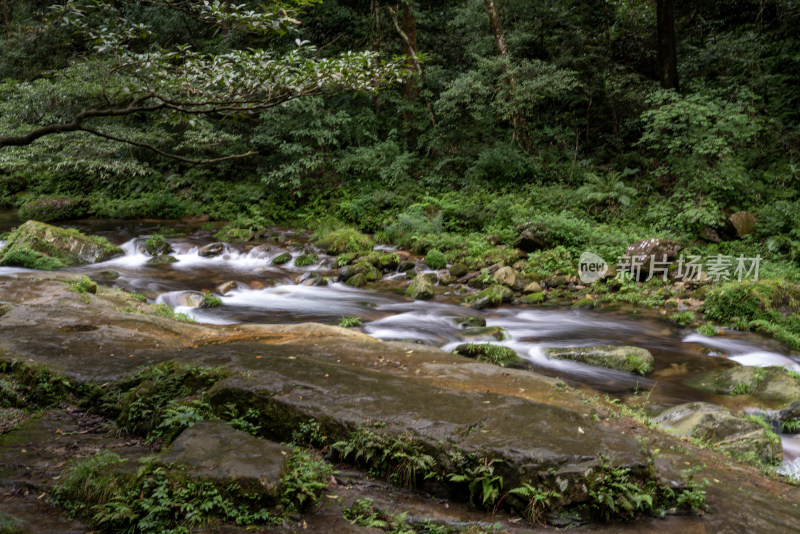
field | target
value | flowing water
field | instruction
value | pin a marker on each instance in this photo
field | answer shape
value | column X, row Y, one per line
column 270, row 293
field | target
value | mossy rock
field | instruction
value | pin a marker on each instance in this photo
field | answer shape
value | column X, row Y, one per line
column 157, row 245
column 344, row 240
column 486, row 352
column 534, row 298
column 364, row 270
column 280, row 259
column 497, row 332
column 53, row 208
column 743, row 437
column 585, row 303
column 162, row 260
column 623, row 358
column 459, row 269
column 472, row 321
column 305, row 260
column 37, row 245
column 389, row 262
column 774, row 386
column 490, row 297
column 421, row 288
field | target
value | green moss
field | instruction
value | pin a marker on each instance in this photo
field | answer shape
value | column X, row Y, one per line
column 156, row 244
column 491, row 296
column 343, row 240
column 36, row 245
column 84, row 285
column 209, row 300
column 707, row 329
column 281, row 259
column 23, row 256
column 682, row 319
column 232, row 234
column 435, row 260
column 350, row 322
column 306, row 259
column 487, row 352
column 534, row 298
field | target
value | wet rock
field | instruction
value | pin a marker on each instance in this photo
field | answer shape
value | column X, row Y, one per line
column 710, row 235
column 534, row 298
column 533, row 287
column 529, row 240
column 359, row 274
column 486, row 352
column 727, row 431
column 189, row 299
column 420, row 288
column 484, row 333
column 212, row 250
column 505, row 276
column 458, row 269
column 406, row 266
column 740, row 224
column 558, row 280
column 227, row 287
column 388, row 262
column 280, row 259
column 466, row 322
column 37, row 245
column 213, row 450
column 490, row 297
column 773, row 386
column 5, row 308
column 157, row 245
column 622, row 358
column 446, row 279
column 162, row 260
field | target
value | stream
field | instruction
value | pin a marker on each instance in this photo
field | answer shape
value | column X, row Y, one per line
column 268, row 293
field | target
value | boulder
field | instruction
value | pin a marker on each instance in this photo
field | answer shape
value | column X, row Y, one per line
column 212, row 250
column 36, row 245
column 458, row 269
column 420, row 288
column 533, row 287
column 484, row 333
column 280, row 259
column 710, row 235
column 737, row 434
column 227, row 287
column 214, row 450
column 772, row 386
column 530, row 241
column 162, row 260
column 740, row 224
column 467, row 322
column 505, row 276
column 622, row 358
column 491, row 296
column 406, row 266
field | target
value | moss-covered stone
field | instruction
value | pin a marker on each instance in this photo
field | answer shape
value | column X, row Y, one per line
column 471, row 321
column 420, row 288
column 491, row 296
column 773, row 386
column 744, row 437
column 162, row 260
column 486, row 352
column 630, row 359
column 280, row 259
column 435, row 260
column 534, row 298
column 37, row 245
column 232, row 234
column 306, row 259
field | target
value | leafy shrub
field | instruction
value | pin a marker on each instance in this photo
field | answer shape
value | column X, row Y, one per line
column 306, row 477
column 435, row 260
column 53, row 208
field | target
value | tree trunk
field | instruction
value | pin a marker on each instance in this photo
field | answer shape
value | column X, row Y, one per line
column 517, row 121
column 410, row 48
column 667, row 57
column 6, row 16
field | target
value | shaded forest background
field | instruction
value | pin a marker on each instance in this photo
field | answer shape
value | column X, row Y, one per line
column 570, row 128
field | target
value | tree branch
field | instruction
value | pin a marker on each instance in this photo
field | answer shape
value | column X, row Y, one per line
column 77, row 121
column 166, row 154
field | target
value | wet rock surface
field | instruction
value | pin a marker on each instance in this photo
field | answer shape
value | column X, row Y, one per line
column 541, row 430
column 771, row 387
column 214, row 450
column 726, row 430
column 630, row 359
column 38, row 245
